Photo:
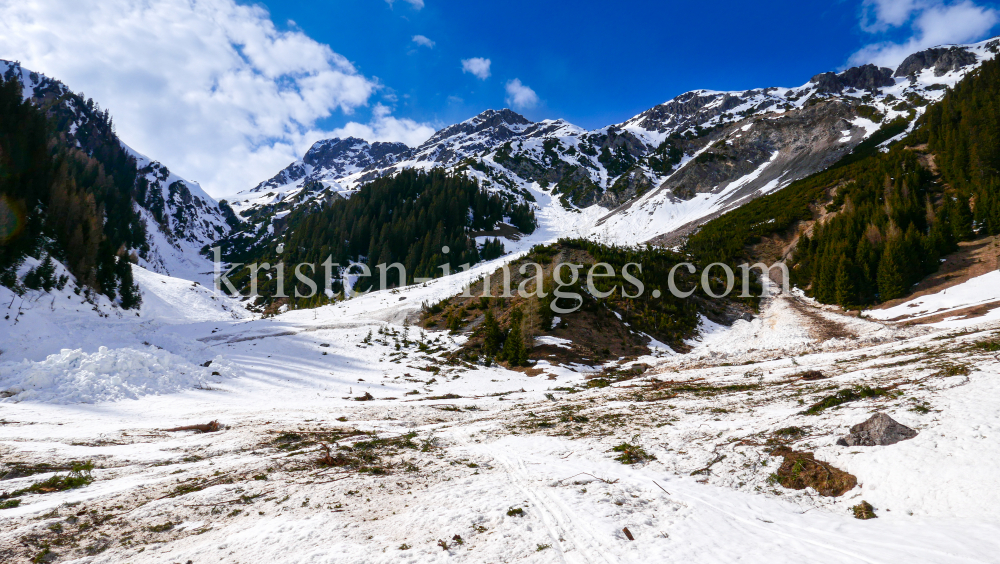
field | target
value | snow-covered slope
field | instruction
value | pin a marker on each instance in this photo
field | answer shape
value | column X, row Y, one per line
column 180, row 217
column 453, row 451
column 663, row 171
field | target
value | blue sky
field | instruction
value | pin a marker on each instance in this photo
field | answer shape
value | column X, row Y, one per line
column 228, row 92
column 592, row 63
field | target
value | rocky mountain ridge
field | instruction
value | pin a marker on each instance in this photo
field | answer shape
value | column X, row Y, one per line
column 671, row 166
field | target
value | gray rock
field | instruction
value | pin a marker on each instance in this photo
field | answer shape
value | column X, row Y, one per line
column 865, row 77
column 941, row 59
column 880, row 430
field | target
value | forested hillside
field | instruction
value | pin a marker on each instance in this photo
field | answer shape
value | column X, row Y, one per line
column 69, row 202
column 895, row 213
column 408, row 218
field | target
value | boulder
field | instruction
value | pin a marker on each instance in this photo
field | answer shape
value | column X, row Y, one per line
column 880, row 430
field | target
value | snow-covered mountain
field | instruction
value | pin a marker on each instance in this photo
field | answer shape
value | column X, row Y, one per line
column 659, row 173
column 180, row 218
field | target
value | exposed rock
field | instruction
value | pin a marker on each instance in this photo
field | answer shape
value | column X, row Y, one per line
column 806, row 139
column 880, row 430
column 865, row 77
column 942, row 59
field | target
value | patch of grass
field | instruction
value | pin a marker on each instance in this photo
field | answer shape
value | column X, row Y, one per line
column 542, row 547
column 845, row 396
column 78, row 477
column 800, row 470
column 790, row 432
column 989, row 346
column 632, row 454
column 46, row 555
column 405, row 546
column 515, row 512
column 598, row 383
column 161, row 528
column 10, row 504
column 864, row 510
column 955, row 370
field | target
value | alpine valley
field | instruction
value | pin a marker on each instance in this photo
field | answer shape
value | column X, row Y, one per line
column 148, row 416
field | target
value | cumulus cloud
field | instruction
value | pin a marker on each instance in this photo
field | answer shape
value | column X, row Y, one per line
column 209, row 87
column 520, row 96
column 880, row 15
column 423, row 40
column 385, row 127
column 477, row 66
column 932, row 22
column 417, row 4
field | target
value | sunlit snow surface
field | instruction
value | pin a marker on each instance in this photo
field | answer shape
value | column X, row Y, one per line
column 979, row 290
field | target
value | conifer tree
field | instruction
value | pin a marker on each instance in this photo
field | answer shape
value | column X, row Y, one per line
column 492, row 336
column 891, row 284
column 514, row 351
column 846, row 289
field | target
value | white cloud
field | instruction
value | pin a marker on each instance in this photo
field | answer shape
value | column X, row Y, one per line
column 520, row 96
column 209, row 87
column 880, row 15
column 932, row 23
column 385, row 127
column 423, row 40
column 477, row 66
column 417, row 4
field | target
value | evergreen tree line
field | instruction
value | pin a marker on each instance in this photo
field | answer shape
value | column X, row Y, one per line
column 895, row 218
column 59, row 201
column 895, row 222
column 409, row 218
column 893, row 225
column 963, row 132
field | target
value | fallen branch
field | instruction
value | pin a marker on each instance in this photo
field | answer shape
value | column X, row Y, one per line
column 209, row 427
column 709, row 467
column 661, row 487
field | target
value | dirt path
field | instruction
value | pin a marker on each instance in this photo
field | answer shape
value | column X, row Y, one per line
column 820, row 326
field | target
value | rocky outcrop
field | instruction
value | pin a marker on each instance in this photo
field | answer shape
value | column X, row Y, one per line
column 796, row 143
column 942, row 59
column 865, row 77
column 486, row 131
column 880, row 430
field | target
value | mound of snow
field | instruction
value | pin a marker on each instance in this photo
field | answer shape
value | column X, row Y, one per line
column 73, row 376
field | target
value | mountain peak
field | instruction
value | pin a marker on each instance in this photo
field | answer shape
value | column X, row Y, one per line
column 504, row 115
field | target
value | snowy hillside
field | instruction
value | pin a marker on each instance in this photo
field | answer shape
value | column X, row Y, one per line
column 661, row 172
column 446, row 463
column 180, row 218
